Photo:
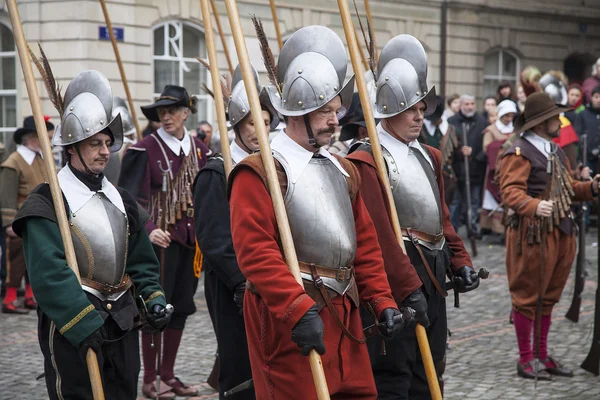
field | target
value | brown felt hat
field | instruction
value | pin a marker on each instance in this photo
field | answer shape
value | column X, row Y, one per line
column 539, row 107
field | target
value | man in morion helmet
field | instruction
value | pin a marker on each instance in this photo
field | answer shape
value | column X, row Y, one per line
column 224, row 283
column 433, row 248
column 114, row 256
column 334, row 237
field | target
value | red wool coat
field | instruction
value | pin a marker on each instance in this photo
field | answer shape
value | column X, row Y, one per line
column 278, row 368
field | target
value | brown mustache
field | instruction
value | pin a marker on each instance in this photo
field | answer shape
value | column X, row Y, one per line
column 326, row 130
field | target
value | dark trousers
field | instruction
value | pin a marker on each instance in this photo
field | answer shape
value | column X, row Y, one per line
column 2, row 264
column 229, row 328
column 67, row 375
column 400, row 374
column 179, row 281
column 458, row 208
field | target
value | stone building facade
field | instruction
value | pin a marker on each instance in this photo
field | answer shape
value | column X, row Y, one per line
column 487, row 41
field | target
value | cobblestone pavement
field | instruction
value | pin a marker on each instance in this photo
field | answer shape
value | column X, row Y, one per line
column 482, row 351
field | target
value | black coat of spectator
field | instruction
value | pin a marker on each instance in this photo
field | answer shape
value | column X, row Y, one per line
column 474, row 127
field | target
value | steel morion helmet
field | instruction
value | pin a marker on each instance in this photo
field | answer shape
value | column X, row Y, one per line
column 88, row 108
column 311, row 70
column 120, row 107
column 238, row 106
column 402, row 78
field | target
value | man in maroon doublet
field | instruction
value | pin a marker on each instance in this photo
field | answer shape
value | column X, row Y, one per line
column 159, row 171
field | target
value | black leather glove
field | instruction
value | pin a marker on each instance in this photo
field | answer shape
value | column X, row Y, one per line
column 94, row 342
column 308, row 332
column 158, row 317
column 390, row 323
column 466, row 279
column 238, row 295
column 417, row 301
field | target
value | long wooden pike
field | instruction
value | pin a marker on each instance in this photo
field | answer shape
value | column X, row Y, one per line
column 57, row 198
column 432, row 380
column 217, row 90
column 113, row 40
column 276, row 23
column 372, row 33
column 222, row 35
column 283, row 224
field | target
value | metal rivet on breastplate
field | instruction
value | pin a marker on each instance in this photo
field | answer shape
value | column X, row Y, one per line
column 299, row 71
column 321, row 97
column 335, row 88
column 395, row 170
column 300, row 103
column 69, row 135
column 101, row 122
column 233, row 119
column 417, row 93
column 387, row 78
column 109, row 306
column 401, row 104
column 243, row 110
column 70, row 108
column 393, row 162
column 285, row 101
column 87, row 129
column 384, row 108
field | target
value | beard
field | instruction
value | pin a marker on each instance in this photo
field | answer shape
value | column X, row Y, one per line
column 554, row 134
column 468, row 114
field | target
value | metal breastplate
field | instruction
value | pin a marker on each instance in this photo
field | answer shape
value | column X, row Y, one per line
column 416, row 196
column 321, row 219
column 100, row 234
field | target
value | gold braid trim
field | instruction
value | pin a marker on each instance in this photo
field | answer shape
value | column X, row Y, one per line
column 153, row 296
column 78, row 318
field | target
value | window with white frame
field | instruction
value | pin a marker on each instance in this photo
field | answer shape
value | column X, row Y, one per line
column 8, row 85
column 501, row 65
column 176, row 46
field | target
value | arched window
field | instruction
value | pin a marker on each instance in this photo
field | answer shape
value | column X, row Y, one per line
column 8, row 85
column 501, row 65
column 176, row 46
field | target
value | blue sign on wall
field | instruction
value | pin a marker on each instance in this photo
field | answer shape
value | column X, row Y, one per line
column 104, row 35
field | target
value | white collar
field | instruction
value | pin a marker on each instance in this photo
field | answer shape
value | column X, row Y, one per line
column 397, row 149
column 431, row 127
column 175, row 144
column 78, row 194
column 298, row 157
column 504, row 128
column 237, row 153
column 543, row 145
column 27, row 154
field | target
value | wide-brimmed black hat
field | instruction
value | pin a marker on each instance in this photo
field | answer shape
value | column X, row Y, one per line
column 28, row 127
column 539, row 107
column 353, row 119
column 171, row 96
column 439, row 110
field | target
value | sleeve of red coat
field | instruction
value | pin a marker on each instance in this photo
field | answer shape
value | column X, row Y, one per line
column 255, row 239
column 460, row 255
column 401, row 275
column 371, row 281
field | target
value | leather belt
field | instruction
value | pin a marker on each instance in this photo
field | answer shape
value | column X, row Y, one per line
column 342, row 274
column 412, row 235
column 318, row 282
column 426, row 237
column 106, row 288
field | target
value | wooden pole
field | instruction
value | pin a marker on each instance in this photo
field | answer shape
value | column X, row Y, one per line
column 363, row 57
column 273, row 183
column 217, row 90
column 370, row 19
column 222, row 35
column 382, row 172
column 59, row 206
column 121, row 69
column 276, row 23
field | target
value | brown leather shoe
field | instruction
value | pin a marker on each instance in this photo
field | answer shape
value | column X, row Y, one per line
column 149, row 392
column 180, row 388
column 12, row 308
column 528, row 371
column 30, row 303
column 555, row 368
